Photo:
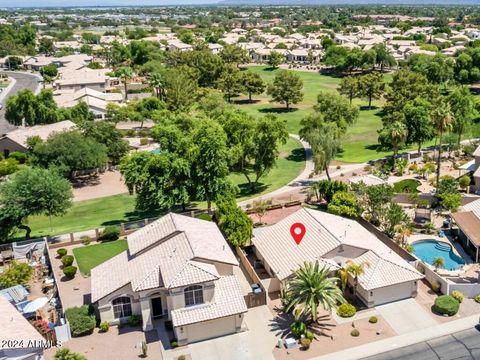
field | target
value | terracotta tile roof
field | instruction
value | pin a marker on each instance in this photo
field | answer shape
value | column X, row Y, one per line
column 324, row 233
column 15, row 327
column 228, row 300
column 469, row 223
column 171, row 252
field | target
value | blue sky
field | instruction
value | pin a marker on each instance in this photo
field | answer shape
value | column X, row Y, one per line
column 44, row 3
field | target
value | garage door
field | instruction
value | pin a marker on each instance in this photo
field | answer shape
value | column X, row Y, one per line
column 392, row 293
column 210, row 329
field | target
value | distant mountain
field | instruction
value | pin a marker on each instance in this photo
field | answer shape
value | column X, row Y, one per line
column 349, row 2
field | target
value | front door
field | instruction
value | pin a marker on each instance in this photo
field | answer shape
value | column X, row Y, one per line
column 157, row 311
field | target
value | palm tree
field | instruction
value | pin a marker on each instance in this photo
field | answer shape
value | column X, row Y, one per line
column 354, row 270
column 442, row 121
column 157, row 82
column 312, row 287
column 438, row 262
column 397, row 134
column 402, row 233
column 124, row 74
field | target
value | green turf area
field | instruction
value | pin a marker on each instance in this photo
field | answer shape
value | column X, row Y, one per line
column 89, row 256
column 91, row 214
column 407, row 186
column 360, row 143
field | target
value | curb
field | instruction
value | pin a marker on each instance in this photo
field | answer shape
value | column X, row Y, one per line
column 8, row 88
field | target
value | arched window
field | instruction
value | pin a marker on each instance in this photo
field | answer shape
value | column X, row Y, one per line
column 122, row 307
column 193, row 295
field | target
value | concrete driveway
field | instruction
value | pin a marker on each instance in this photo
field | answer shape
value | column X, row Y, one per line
column 406, row 316
column 255, row 343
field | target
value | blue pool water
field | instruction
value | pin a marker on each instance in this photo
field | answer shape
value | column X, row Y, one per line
column 155, row 151
column 428, row 250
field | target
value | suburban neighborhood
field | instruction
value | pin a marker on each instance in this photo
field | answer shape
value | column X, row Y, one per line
column 239, row 180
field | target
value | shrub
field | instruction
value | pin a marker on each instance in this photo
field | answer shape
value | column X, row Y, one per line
column 21, row 157
column 104, row 326
column 373, row 320
column 174, row 343
column 446, row 305
column 309, row 335
column 181, row 357
column 67, row 260
column 346, row 310
column 205, row 216
column 110, row 233
column 86, row 240
column 70, row 271
column 355, row 332
column 298, row 328
column 67, row 354
column 16, row 274
column 61, row 252
column 134, row 320
column 81, row 319
column 168, row 325
column 305, row 343
column 435, row 286
column 477, row 298
column 406, row 186
column 457, row 295
column 143, row 141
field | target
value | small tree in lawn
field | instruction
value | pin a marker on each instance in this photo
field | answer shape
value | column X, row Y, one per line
column 395, row 135
column 438, row 262
column 286, row 88
column 464, row 182
column 275, row 59
column 371, row 86
column 252, row 84
column 230, row 82
column 349, row 86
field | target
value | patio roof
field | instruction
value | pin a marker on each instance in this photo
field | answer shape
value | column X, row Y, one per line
column 469, row 223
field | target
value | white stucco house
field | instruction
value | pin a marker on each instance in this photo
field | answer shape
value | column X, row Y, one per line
column 176, row 268
column 333, row 240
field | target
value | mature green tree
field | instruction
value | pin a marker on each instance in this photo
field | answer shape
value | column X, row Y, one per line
column 275, row 59
column 286, row 88
column 79, row 113
column 125, row 74
column 210, row 160
column 345, row 203
column 371, row 86
column 157, row 82
column 394, row 135
column 394, row 215
column 234, row 222
column 252, row 84
column 442, row 121
column 234, row 54
column 159, row 180
column 463, row 108
column 230, row 82
column 383, row 56
column 49, row 73
column 30, row 109
column 312, row 287
column 45, row 46
column 373, row 200
column 69, row 152
column 349, row 86
column 419, row 122
column 180, row 90
column 107, row 134
column 34, row 191
column 336, row 109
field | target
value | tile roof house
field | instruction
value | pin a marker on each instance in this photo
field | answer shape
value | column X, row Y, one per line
column 468, row 222
column 16, row 140
column 333, row 240
column 19, row 338
column 179, row 268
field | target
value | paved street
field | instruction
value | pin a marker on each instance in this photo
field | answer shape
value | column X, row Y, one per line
column 463, row 345
column 23, row 81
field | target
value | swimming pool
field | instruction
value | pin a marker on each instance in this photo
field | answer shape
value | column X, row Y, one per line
column 428, row 250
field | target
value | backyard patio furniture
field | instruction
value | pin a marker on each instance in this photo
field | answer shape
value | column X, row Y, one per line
column 290, row 343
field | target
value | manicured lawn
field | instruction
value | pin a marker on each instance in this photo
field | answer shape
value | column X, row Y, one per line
column 361, row 140
column 91, row 214
column 89, row 256
column 407, row 186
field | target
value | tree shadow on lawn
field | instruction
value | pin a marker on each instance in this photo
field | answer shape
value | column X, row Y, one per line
column 297, row 155
column 246, row 102
column 277, row 110
column 368, row 108
column 246, row 190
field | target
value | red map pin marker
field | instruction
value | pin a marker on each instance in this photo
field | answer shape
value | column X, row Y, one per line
column 297, row 231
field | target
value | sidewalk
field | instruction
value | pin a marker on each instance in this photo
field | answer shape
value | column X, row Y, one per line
column 6, row 90
column 400, row 341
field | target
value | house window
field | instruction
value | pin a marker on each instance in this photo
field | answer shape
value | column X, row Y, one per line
column 193, row 295
column 122, row 307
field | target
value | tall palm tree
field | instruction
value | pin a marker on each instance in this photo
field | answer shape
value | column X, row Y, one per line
column 157, row 82
column 355, row 270
column 402, row 233
column 312, row 287
column 442, row 120
column 397, row 134
column 125, row 74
